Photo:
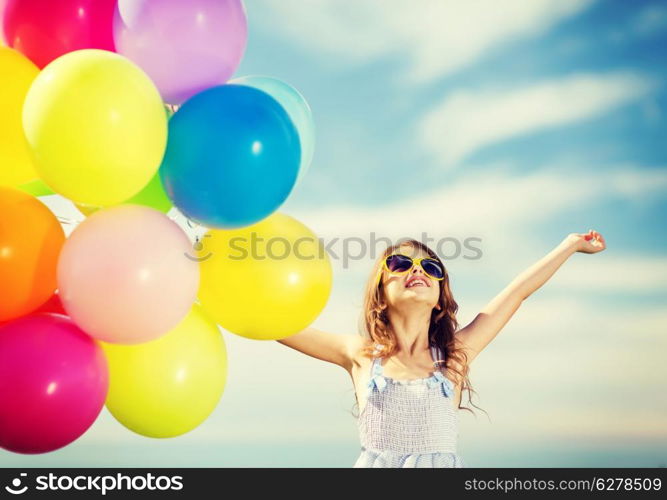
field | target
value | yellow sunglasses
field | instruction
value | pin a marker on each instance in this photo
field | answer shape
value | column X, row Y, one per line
column 399, row 264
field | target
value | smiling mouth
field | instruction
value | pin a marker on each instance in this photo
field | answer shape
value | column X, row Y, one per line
column 417, row 282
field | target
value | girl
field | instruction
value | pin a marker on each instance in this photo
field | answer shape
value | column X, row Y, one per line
column 410, row 366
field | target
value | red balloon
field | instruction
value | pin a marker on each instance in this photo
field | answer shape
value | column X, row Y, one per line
column 53, row 305
column 54, row 380
column 46, row 29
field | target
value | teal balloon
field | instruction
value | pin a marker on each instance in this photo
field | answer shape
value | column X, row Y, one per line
column 297, row 109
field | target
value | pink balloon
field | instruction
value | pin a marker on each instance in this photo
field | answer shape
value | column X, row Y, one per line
column 46, row 29
column 3, row 4
column 124, row 276
column 54, row 381
column 184, row 46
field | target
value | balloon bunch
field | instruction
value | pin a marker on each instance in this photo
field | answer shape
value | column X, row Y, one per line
column 126, row 108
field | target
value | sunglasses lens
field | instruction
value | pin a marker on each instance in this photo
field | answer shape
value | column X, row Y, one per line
column 398, row 263
column 433, row 268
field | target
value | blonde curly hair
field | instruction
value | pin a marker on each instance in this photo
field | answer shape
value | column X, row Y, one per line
column 376, row 328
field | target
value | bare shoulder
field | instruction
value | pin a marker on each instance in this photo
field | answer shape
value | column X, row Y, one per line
column 358, row 367
column 356, row 346
column 358, row 361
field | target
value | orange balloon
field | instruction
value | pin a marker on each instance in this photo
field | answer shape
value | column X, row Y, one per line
column 30, row 241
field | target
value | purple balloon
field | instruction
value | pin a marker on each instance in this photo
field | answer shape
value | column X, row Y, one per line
column 185, row 46
column 54, row 380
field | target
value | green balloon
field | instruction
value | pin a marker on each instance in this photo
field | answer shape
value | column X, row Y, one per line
column 36, row 188
column 152, row 195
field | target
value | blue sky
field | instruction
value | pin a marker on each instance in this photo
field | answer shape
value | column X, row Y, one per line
column 516, row 124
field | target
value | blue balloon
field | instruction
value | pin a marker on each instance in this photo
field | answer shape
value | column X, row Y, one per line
column 232, row 156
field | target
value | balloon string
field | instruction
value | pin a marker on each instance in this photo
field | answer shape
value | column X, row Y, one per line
column 68, row 221
column 172, row 107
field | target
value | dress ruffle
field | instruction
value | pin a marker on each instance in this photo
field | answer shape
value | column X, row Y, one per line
column 389, row 459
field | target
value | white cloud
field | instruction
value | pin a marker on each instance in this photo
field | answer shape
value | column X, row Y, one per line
column 436, row 37
column 496, row 204
column 468, row 120
column 574, row 368
column 630, row 183
column 612, row 273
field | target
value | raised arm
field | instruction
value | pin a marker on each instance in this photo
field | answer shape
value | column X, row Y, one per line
column 334, row 348
column 492, row 318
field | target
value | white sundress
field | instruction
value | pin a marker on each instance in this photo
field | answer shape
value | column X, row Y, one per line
column 409, row 423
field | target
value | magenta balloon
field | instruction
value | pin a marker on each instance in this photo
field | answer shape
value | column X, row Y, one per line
column 54, row 381
column 124, row 275
column 44, row 30
column 184, row 46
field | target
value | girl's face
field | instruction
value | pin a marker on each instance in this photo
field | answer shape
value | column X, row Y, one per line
column 414, row 287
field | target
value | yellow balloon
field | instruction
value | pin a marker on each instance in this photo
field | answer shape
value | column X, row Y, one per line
column 17, row 73
column 86, row 210
column 169, row 386
column 266, row 281
column 96, row 125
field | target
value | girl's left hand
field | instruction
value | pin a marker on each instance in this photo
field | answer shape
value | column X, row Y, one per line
column 591, row 242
